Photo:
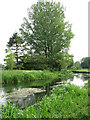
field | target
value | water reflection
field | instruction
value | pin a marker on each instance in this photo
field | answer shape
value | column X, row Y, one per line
column 31, row 99
column 85, row 76
column 11, row 88
column 79, row 79
column 2, row 99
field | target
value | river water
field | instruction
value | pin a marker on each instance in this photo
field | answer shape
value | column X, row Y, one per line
column 78, row 80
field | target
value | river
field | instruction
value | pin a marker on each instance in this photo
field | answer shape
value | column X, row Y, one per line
column 24, row 93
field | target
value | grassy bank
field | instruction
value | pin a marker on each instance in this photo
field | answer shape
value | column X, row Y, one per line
column 82, row 71
column 63, row 102
column 19, row 76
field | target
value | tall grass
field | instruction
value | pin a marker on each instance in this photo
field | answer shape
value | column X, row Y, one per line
column 17, row 76
column 63, row 102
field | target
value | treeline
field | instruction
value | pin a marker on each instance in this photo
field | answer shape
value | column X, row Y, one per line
column 1, row 65
column 43, row 40
column 84, row 63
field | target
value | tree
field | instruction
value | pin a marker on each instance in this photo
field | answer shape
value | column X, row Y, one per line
column 45, row 30
column 15, row 43
column 64, row 60
column 10, row 60
column 36, row 62
column 1, row 65
column 76, row 65
column 85, row 62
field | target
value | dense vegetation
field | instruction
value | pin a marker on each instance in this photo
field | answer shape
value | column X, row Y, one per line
column 43, row 40
column 19, row 76
column 63, row 102
column 42, row 44
column 84, row 63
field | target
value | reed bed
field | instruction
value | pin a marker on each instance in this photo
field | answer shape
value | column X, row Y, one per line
column 17, row 76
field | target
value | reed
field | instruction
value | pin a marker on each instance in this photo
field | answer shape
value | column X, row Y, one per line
column 17, row 76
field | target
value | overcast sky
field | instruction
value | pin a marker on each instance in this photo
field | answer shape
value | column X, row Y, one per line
column 12, row 13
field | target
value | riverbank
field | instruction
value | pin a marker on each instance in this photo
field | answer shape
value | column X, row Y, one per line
column 19, row 76
column 63, row 102
column 81, row 71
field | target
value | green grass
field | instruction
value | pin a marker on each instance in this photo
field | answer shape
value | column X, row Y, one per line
column 83, row 70
column 19, row 76
column 63, row 102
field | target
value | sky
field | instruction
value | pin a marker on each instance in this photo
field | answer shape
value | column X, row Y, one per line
column 12, row 13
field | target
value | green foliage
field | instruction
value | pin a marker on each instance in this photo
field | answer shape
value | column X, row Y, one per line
column 86, row 85
column 16, row 43
column 36, row 62
column 63, row 102
column 64, row 60
column 10, row 60
column 40, row 62
column 82, row 71
column 76, row 66
column 46, row 32
column 44, row 38
column 82, row 65
column 85, row 62
column 17, row 76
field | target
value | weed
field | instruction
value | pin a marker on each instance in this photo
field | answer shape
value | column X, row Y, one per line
column 63, row 102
